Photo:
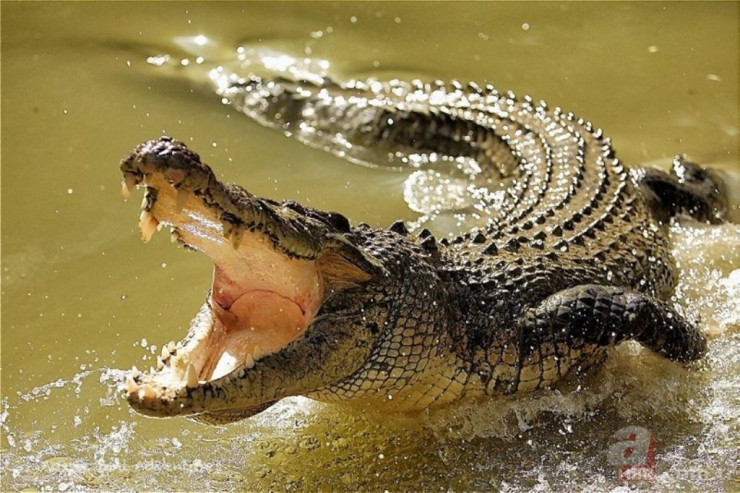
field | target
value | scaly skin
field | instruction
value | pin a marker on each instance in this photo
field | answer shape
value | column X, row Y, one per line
column 574, row 260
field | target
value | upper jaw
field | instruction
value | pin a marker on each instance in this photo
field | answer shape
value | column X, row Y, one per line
column 190, row 198
column 195, row 201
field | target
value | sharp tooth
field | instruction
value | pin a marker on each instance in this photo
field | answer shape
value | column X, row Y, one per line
column 227, row 228
column 174, row 236
column 128, row 184
column 147, row 225
column 131, row 386
column 160, row 363
column 171, row 347
column 180, row 362
column 135, row 372
column 249, row 363
column 165, row 353
column 237, row 234
column 192, row 376
column 146, row 392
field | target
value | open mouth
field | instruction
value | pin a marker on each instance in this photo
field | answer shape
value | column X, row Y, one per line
column 262, row 298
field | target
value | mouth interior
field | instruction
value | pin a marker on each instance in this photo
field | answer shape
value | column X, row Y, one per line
column 260, row 320
column 260, row 301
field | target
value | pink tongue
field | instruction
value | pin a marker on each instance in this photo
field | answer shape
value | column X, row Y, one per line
column 256, row 324
column 270, row 316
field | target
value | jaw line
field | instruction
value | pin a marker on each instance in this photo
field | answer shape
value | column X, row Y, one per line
column 172, row 389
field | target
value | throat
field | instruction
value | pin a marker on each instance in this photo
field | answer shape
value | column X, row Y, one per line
column 256, row 324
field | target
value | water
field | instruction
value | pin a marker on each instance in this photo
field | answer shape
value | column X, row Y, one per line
column 82, row 297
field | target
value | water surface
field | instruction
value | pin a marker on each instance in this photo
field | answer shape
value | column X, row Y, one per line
column 82, row 297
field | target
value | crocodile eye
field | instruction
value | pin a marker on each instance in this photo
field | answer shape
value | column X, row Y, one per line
column 339, row 222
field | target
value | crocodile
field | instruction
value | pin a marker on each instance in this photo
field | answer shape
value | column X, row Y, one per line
column 574, row 258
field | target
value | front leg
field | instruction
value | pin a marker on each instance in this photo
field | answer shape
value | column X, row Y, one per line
column 574, row 327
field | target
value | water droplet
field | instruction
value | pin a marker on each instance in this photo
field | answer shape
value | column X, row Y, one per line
column 157, row 61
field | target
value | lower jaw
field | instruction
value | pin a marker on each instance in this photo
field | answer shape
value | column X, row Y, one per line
column 164, row 392
column 218, row 344
column 181, row 385
column 226, row 416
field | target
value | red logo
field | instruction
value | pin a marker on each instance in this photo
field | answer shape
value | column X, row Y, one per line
column 633, row 453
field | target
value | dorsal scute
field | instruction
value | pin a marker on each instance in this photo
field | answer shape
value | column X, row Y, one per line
column 399, row 227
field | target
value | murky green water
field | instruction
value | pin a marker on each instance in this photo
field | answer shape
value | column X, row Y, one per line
column 83, row 297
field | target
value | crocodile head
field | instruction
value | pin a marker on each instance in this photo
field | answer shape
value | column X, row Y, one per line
column 275, row 322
